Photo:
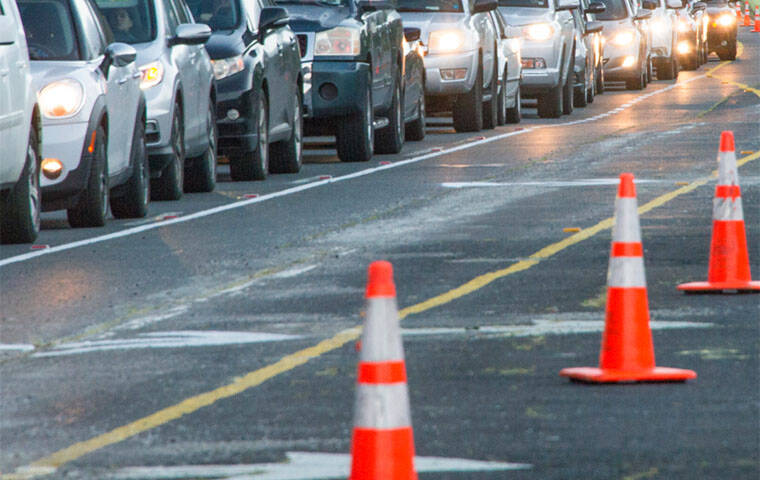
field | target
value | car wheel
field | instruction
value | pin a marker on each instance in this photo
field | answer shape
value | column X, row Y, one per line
column 254, row 165
column 131, row 199
column 728, row 52
column 200, row 174
column 600, row 80
column 287, row 156
column 550, row 102
column 355, row 134
column 92, row 207
column 650, row 68
column 692, row 61
column 638, row 82
column 567, row 94
column 514, row 114
column 491, row 106
column 390, row 139
column 501, row 114
column 591, row 93
column 468, row 107
column 667, row 69
column 415, row 130
column 170, row 185
column 580, row 98
column 20, row 211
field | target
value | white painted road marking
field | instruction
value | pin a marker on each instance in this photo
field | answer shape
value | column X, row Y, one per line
column 591, row 182
column 16, row 347
column 303, row 466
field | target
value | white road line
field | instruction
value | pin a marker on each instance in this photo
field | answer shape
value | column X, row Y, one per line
column 320, row 183
column 570, row 183
column 16, row 347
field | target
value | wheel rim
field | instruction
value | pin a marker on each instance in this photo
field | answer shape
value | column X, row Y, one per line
column 34, row 188
column 263, row 135
column 211, row 163
column 103, row 182
column 178, row 146
column 399, row 120
column 298, row 129
column 422, row 110
column 518, row 102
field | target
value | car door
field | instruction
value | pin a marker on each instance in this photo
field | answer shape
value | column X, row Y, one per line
column 190, row 72
column 14, row 85
column 380, row 51
column 6, row 112
column 290, row 62
column 482, row 24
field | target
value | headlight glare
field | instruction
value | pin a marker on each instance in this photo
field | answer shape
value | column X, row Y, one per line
column 225, row 67
column 340, row 41
column 726, row 20
column 539, row 31
column 446, row 41
column 61, row 99
column 682, row 26
column 621, row 39
column 152, row 75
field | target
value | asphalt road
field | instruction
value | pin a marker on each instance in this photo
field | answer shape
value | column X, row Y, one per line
column 221, row 330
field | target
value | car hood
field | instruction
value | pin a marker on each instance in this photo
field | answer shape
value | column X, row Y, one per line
column 315, row 18
column 718, row 9
column 519, row 16
column 46, row 72
column 148, row 52
column 611, row 26
column 428, row 22
column 225, row 44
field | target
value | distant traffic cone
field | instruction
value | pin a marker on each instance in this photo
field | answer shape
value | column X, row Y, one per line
column 382, row 447
column 729, row 258
column 747, row 16
column 627, row 353
column 757, row 19
column 738, row 11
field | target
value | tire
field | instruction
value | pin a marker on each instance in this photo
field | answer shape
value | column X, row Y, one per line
column 92, row 207
column 692, row 62
column 468, row 107
column 567, row 94
column 501, row 113
column 287, row 155
column 390, row 139
column 20, row 210
column 591, row 92
column 550, row 103
column 650, row 76
column 491, row 107
column 254, row 165
column 514, row 114
column 639, row 82
column 415, row 130
column 133, row 196
column 728, row 52
column 600, row 80
column 580, row 98
column 667, row 69
column 170, row 185
column 200, row 174
column 355, row 134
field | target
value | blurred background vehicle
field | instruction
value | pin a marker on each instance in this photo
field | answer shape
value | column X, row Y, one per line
column 414, row 85
column 178, row 83
column 548, row 51
column 461, row 71
column 20, row 127
column 691, row 25
column 663, row 37
column 626, row 48
column 510, row 70
column 256, row 63
column 588, row 52
column 353, row 64
column 721, row 30
column 93, row 112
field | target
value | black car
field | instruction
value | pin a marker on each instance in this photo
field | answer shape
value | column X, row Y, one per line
column 259, row 83
column 721, row 31
column 353, row 66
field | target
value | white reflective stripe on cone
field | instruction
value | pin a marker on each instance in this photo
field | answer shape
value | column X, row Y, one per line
column 382, row 406
column 626, row 228
column 727, row 209
column 381, row 338
column 727, row 171
column 626, row 272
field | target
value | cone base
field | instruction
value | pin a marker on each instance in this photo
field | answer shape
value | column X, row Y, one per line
column 656, row 374
column 717, row 287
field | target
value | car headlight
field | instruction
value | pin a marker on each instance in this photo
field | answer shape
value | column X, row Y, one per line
column 683, row 47
column 446, row 41
column 61, row 99
column 658, row 25
column 224, row 67
column 726, row 20
column 621, row 39
column 339, row 41
column 682, row 26
column 152, row 74
column 539, row 31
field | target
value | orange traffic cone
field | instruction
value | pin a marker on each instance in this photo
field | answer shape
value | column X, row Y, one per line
column 757, row 19
column 382, row 447
column 627, row 353
column 738, row 11
column 729, row 258
column 747, row 17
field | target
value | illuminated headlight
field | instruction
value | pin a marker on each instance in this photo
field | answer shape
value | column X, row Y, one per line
column 446, row 41
column 629, row 61
column 659, row 25
column 683, row 47
column 340, row 41
column 621, row 39
column 224, row 67
column 61, row 99
column 152, row 75
column 726, row 20
column 539, row 31
column 682, row 26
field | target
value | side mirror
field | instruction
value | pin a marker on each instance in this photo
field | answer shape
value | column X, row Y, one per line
column 120, row 54
column 567, row 5
column 596, row 7
column 673, row 4
column 699, row 6
column 643, row 16
column 273, row 17
column 191, row 34
column 648, row 5
column 374, row 5
column 594, row 27
column 412, row 34
column 7, row 30
column 485, row 6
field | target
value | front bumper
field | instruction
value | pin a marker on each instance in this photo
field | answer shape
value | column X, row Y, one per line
column 538, row 80
column 66, row 142
column 334, row 88
column 236, row 120
column 718, row 37
column 435, row 85
column 614, row 57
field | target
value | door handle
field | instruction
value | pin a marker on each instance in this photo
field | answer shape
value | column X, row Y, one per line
column 4, row 72
column 122, row 81
column 21, row 64
column 137, row 75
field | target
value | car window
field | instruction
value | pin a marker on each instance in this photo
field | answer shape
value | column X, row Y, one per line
column 182, row 12
column 92, row 39
column 524, row 3
column 615, row 10
column 49, row 28
column 430, row 6
column 330, row 3
column 217, row 14
column 131, row 21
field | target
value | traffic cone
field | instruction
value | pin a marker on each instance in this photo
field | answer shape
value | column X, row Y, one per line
column 747, row 17
column 757, row 19
column 738, row 11
column 627, row 353
column 729, row 258
column 382, row 447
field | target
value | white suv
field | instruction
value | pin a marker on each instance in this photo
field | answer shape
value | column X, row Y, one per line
column 19, row 134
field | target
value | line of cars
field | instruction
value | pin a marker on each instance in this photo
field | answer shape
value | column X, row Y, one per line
column 110, row 103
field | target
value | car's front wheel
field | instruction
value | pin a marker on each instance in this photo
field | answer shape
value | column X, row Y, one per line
column 390, row 139
column 355, row 134
column 200, row 174
column 20, row 211
column 491, row 106
column 131, row 199
column 92, row 207
column 468, row 107
column 254, row 165
column 170, row 184
column 514, row 113
column 415, row 130
column 550, row 102
column 287, row 155
column 580, row 94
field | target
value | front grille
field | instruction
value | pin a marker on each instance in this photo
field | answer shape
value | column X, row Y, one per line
column 302, row 43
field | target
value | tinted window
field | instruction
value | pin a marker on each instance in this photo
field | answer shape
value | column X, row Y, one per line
column 430, row 6
column 615, row 10
column 132, row 21
column 524, row 3
column 91, row 35
column 182, row 13
column 49, row 28
column 332, row 3
column 217, row 14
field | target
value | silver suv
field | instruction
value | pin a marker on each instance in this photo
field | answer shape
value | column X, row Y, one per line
column 548, row 51
column 461, row 73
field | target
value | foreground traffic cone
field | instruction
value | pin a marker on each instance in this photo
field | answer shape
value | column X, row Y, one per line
column 627, row 353
column 382, row 447
column 757, row 19
column 729, row 258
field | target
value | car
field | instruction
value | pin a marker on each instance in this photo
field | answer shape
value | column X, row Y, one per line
column 178, row 83
column 721, row 30
column 596, row 40
column 588, row 58
column 353, row 63
column 257, row 68
column 626, row 48
column 663, row 37
column 414, row 86
column 93, row 113
column 20, row 134
column 510, row 73
column 548, row 51
column 691, row 27
column 461, row 63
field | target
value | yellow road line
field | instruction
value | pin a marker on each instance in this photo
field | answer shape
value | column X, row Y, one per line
column 746, row 88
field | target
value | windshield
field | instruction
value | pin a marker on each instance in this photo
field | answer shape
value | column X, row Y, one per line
column 131, row 20
column 329, row 3
column 429, row 6
column 524, row 3
column 49, row 28
column 217, row 14
column 615, row 10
